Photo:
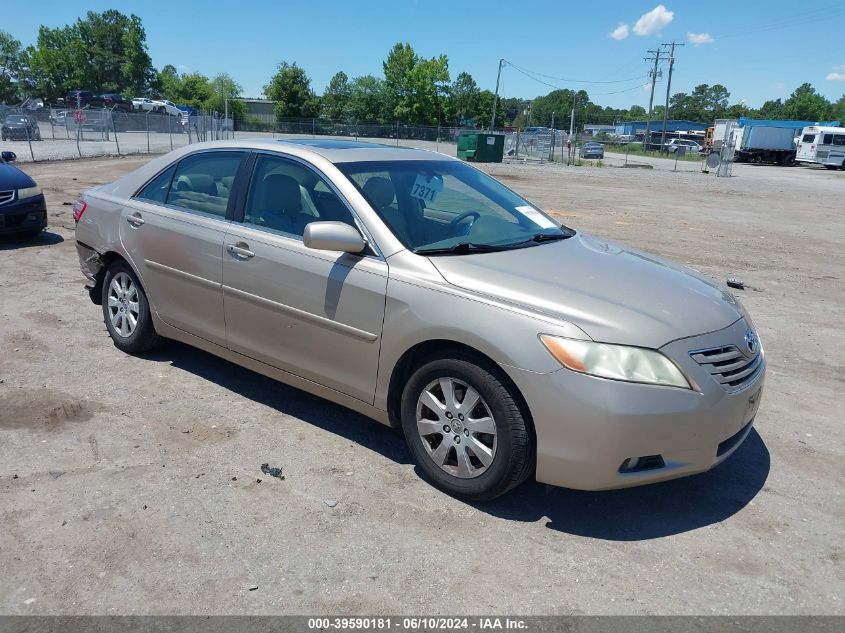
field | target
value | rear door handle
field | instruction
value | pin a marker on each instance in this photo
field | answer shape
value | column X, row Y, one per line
column 135, row 219
column 240, row 250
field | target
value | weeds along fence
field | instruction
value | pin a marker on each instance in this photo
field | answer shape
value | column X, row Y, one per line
column 58, row 134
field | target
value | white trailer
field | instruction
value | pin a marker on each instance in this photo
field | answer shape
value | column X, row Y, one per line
column 823, row 146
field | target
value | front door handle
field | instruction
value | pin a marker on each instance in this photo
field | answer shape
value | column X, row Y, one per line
column 135, row 219
column 240, row 250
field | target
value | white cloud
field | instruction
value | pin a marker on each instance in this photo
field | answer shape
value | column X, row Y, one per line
column 621, row 32
column 653, row 21
column 838, row 74
column 697, row 39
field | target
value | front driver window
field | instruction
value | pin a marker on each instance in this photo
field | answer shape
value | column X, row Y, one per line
column 285, row 196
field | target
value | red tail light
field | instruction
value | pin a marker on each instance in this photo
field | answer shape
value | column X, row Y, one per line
column 78, row 209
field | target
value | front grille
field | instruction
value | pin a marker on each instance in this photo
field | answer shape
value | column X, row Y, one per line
column 729, row 367
column 7, row 196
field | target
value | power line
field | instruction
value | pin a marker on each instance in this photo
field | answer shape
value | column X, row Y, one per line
column 800, row 19
column 527, row 72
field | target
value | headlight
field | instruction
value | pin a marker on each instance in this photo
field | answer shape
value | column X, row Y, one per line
column 617, row 362
column 29, row 192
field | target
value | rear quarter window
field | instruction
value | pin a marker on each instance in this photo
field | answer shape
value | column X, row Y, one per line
column 156, row 190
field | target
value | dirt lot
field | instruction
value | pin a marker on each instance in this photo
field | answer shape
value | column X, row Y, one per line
column 129, row 484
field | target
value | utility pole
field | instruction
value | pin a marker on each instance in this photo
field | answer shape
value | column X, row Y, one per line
column 671, row 46
column 654, row 74
column 552, row 155
column 570, row 149
column 496, row 96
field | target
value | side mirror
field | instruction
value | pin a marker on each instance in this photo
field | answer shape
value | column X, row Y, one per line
column 8, row 157
column 333, row 236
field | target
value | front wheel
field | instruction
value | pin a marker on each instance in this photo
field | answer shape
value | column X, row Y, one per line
column 466, row 429
column 126, row 311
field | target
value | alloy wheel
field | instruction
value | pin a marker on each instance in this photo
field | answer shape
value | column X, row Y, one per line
column 456, row 427
column 123, row 305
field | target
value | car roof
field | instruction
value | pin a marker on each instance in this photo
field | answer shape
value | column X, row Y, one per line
column 333, row 149
column 314, row 150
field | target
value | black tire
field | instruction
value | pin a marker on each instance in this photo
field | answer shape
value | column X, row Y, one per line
column 514, row 458
column 144, row 337
column 843, row 166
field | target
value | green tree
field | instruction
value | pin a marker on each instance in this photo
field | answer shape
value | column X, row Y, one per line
column 397, row 69
column 464, row 104
column 772, row 109
column 57, row 61
column 485, row 110
column 367, row 99
column 12, row 64
column 103, row 52
column 428, row 87
column 705, row 104
column 837, row 110
column 635, row 113
column 290, row 88
column 336, row 97
column 194, row 90
column 806, row 104
column 225, row 92
column 167, row 83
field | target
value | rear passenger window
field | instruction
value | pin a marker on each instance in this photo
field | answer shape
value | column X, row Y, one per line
column 202, row 183
column 839, row 139
column 156, row 189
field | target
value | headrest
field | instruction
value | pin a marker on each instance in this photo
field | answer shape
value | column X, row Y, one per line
column 380, row 191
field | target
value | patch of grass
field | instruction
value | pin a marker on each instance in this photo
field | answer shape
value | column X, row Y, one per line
column 635, row 149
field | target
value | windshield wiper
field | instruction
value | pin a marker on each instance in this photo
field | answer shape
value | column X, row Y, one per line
column 547, row 237
column 461, row 248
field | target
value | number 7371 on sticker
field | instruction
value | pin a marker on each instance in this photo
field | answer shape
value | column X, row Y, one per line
column 427, row 187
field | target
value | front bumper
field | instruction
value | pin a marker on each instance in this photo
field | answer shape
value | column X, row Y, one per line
column 588, row 427
column 22, row 216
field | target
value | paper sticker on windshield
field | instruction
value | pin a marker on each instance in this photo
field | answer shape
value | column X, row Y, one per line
column 427, row 187
column 538, row 218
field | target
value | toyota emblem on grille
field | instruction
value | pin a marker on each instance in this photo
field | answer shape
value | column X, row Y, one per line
column 751, row 341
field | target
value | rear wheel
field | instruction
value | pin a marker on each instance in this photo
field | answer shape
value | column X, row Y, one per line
column 465, row 428
column 126, row 311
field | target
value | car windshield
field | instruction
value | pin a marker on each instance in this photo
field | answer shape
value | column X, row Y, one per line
column 447, row 207
column 12, row 118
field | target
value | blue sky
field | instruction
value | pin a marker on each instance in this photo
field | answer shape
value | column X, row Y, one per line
column 760, row 50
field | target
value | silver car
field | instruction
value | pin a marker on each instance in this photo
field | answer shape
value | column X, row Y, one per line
column 414, row 288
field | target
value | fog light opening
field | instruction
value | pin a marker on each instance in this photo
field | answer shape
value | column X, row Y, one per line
column 639, row 464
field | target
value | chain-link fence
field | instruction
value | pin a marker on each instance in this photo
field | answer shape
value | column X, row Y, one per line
column 57, row 134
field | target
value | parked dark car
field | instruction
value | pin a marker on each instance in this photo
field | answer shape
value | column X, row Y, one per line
column 116, row 102
column 20, row 127
column 23, row 210
column 592, row 149
column 83, row 98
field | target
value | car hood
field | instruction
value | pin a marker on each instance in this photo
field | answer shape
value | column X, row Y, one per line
column 13, row 178
column 615, row 294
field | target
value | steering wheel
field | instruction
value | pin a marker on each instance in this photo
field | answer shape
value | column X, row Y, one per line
column 463, row 216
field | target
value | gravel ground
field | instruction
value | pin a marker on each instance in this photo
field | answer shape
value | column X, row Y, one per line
column 130, row 484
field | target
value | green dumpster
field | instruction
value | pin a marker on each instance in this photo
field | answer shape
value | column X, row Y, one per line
column 481, row 148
